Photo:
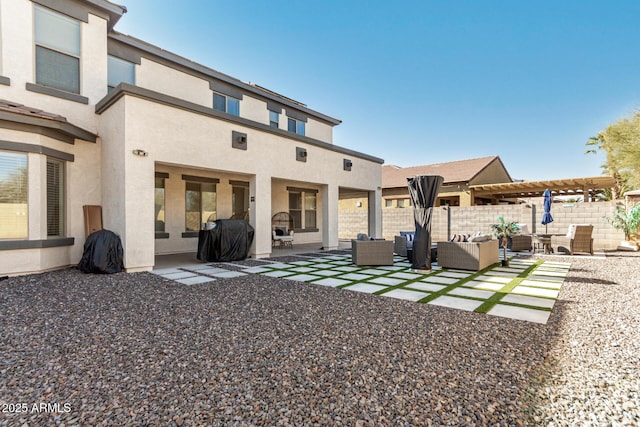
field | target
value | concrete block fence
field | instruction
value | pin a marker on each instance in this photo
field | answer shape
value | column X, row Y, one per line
column 469, row 219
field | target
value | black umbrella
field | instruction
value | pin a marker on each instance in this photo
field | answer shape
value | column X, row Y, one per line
column 423, row 190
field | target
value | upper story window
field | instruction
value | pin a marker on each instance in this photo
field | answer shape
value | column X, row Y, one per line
column 274, row 119
column 295, row 126
column 57, row 39
column 119, row 71
column 226, row 104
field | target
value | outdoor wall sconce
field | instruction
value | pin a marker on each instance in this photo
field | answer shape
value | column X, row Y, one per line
column 301, row 154
column 139, row 152
column 239, row 140
column 346, row 164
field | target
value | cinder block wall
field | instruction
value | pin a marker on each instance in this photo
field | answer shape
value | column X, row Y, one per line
column 469, row 219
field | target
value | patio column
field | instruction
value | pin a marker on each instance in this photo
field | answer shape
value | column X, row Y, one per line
column 260, row 215
column 330, row 197
column 375, row 213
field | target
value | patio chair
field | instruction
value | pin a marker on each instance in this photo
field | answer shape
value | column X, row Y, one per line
column 280, row 237
column 522, row 241
column 372, row 252
column 578, row 239
column 474, row 256
column 403, row 242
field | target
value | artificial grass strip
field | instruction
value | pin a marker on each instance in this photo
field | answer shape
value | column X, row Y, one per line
column 521, row 270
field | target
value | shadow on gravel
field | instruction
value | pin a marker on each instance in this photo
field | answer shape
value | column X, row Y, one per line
column 589, row 280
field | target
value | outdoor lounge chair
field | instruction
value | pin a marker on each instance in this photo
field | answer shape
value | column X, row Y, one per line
column 403, row 242
column 578, row 239
column 468, row 255
column 372, row 252
column 280, row 237
column 522, row 241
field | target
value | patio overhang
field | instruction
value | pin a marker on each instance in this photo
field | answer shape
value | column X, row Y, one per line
column 558, row 187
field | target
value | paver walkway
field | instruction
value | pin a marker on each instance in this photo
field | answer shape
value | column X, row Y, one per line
column 526, row 290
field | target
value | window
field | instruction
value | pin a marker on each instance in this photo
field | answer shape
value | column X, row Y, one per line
column 57, row 40
column 200, row 204
column 274, row 119
column 302, row 208
column 402, row 203
column 119, row 71
column 55, row 198
column 309, row 210
column 160, row 204
column 13, row 196
column 240, row 201
column 226, row 104
column 388, row 203
column 295, row 126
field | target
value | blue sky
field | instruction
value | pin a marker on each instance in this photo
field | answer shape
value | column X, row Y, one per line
column 420, row 82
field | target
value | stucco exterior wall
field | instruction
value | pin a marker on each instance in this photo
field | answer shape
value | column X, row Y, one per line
column 18, row 53
column 183, row 139
column 163, row 79
column 317, row 130
column 178, row 140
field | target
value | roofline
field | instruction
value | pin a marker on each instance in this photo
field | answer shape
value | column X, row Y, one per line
column 63, row 131
column 127, row 89
column 211, row 73
column 489, row 164
column 114, row 10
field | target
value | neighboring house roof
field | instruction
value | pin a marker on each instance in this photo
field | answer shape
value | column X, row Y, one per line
column 457, row 171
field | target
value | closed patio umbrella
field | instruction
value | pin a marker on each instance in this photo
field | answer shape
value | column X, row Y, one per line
column 546, row 216
column 423, row 190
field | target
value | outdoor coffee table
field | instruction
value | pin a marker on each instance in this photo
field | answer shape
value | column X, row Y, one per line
column 543, row 241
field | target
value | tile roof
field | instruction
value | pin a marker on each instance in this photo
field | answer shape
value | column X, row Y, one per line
column 457, row 171
column 14, row 107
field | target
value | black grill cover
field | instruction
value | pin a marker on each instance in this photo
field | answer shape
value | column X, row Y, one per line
column 102, row 253
column 229, row 240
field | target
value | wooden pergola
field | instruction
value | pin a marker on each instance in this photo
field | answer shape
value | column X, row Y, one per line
column 586, row 187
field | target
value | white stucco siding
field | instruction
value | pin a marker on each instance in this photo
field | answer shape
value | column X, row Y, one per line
column 17, row 40
column 166, row 80
column 114, row 172
column 84, row 178
column 318, row 130
column 93, row 61
column 82, row 187
column 176, row 136
column 182, row 140
column 18, row 63
column 254, row 109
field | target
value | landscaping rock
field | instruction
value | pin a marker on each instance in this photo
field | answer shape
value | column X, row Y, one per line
column 136, row 349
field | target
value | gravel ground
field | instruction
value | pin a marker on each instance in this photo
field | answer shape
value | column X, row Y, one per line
column 135, row 349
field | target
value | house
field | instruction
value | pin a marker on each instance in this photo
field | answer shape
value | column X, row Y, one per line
column 458, row 176
column 89, row 116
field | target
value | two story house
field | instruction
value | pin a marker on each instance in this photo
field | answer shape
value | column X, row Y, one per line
column 90, row 116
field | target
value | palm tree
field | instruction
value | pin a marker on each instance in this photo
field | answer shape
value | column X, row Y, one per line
column 503, row 230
